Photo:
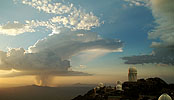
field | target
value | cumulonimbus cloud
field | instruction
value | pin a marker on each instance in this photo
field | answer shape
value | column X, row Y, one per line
column 163, row 12
column 50, row 56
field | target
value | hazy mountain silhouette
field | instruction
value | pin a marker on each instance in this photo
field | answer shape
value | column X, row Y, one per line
column 34, row 92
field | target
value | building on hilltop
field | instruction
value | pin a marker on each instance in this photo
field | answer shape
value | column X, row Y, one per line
column 132, row 74
column 165, row 96
column 119, row 86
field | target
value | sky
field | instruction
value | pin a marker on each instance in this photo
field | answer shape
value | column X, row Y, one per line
column 61, row 42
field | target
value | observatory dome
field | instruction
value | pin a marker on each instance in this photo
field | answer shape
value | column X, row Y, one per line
column 132, row 70
column 119, row 87
column 164, row 97
column 119, row 82
column 100, row 85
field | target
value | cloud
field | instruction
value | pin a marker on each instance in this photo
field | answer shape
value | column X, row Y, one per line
column 15, row 28
column 50, row 56
column 138, row 2
column 89, row 55
column 46, row 6
column 81, row 66
column 65, row 15
column 159, row 56
column 163, row 12
column 163, row 52
column 68, row 38
column 77, row 20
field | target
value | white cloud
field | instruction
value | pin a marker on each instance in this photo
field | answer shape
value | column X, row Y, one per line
column 163, row 12
column 15, row 28
column 77, row 20
column 66, row 16
column 48, row 7
column 81, row 67
column 163, row 52
column 67, row 38
column 138, row 2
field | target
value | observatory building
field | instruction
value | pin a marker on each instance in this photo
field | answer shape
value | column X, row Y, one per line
column 132, row 74
column 100, row 85
column 164, row 97
column 119, row 86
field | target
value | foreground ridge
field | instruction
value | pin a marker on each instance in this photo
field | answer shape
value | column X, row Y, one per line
column 142, row 89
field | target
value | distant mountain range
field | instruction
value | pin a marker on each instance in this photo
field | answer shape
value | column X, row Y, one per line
column 34, row 92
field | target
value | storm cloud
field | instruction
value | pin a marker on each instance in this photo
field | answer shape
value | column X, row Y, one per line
column 51, row 56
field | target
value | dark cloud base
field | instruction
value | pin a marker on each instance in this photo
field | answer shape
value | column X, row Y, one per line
column 145, row 59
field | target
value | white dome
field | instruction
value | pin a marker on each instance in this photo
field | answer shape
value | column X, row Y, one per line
column 100, row 85
column 118, row 87
column 164, row 97
column 97, row 88
column 132, row 70
column 119, row 82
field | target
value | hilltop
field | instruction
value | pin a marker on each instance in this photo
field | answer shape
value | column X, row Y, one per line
column 143, row 89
